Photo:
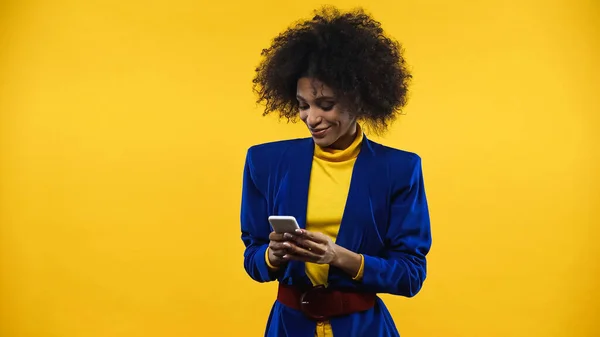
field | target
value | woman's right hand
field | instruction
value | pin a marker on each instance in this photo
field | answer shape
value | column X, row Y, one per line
column 277, row 249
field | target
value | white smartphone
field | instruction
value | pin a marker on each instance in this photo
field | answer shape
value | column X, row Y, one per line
column 283, row 223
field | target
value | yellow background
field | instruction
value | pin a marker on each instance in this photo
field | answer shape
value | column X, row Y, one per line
column 124, row 125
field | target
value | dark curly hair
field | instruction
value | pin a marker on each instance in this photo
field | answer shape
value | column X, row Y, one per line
column 348, row 52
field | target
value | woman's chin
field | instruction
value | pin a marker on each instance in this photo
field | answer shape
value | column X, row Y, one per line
column 322, row 142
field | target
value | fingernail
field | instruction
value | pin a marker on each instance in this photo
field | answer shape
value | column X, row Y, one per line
column 286, row 244
column 287, row 235
column 299, row 231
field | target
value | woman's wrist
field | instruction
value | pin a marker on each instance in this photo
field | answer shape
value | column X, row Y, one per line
column 346, row 260
column 272, row 261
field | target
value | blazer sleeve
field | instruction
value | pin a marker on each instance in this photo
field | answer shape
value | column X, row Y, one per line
column 254, row 226
column 402, row 268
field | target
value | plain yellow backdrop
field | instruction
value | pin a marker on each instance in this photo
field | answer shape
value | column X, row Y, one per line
column 123, row 130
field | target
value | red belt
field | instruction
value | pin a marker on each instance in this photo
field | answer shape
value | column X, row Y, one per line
column 320, row 303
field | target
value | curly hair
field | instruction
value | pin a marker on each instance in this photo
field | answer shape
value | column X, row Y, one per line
column 348, row 52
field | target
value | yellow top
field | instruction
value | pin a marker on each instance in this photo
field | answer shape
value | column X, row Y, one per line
column 328, row 190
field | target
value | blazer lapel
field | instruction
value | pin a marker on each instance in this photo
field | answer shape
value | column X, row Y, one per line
column 300, row 162
column 295, row 198
column 358, row 210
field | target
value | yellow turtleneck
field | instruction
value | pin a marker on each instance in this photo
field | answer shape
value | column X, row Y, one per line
column 328, row 190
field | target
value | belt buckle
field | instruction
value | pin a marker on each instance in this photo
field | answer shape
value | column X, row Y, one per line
column 316, row 301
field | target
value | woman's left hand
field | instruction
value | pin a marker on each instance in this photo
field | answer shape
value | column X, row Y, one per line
column 310, row 247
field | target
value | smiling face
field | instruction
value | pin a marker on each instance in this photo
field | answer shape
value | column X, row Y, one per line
column 329, row 124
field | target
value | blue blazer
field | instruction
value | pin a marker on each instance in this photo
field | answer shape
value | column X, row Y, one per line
column 386, row 219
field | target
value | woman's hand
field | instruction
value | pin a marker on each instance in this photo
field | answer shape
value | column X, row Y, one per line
column 310, row 247
column 319, row 248
column 277, row 249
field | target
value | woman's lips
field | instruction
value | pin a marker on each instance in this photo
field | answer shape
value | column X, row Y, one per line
column 320, row 133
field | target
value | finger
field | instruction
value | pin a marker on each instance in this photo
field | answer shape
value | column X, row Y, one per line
column 295, row 238
column 279, row 253
column 313, row 236
column 302, row 258
column 290, row 236
column 293, row 249
column 293, row 257
column 276, row 237
column 277, row 246
column 311, row 246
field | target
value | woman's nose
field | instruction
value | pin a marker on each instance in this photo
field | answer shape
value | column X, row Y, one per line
column 313, row 118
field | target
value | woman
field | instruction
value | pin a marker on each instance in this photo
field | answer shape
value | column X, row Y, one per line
column 361, row 206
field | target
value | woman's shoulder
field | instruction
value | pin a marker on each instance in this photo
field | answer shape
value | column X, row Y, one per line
column 272, row 152
column 394, row 156
column 277, row 148
column 278, row 145
column 401, row 166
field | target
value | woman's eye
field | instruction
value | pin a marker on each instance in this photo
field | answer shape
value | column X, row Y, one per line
column 303, row 107
column 327, row 107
